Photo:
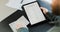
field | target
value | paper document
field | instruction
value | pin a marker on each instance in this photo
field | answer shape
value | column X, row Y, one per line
column 21, row 22
column 18, row 3
column 34, row 13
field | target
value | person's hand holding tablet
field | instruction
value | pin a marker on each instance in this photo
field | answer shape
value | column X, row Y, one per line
column 34, row 12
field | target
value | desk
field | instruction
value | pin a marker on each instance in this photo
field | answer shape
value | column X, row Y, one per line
column 4, row 27
column 39, row 28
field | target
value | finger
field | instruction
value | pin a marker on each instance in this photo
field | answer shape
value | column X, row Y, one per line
column 44, row 10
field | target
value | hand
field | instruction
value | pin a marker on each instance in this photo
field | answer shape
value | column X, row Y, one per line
column 44, row 10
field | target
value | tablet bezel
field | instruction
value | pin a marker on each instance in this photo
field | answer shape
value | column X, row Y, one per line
column 41, row 9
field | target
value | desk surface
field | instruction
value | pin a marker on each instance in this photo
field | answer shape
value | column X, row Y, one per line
column 39, row 28
column 4, row 27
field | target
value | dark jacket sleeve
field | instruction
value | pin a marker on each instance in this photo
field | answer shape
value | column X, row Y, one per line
column 53, row 17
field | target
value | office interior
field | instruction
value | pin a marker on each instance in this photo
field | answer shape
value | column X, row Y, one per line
column 13, row 14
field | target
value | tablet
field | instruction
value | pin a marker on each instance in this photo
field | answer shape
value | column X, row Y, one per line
column 34, row 13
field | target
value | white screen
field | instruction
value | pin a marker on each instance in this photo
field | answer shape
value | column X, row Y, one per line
column 34, row 13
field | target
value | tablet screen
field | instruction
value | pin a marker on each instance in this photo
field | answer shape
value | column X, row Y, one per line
column 34, row 13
